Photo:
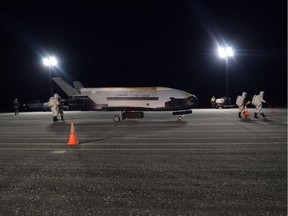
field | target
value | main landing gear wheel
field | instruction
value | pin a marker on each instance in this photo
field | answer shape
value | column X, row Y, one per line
column 116, row 118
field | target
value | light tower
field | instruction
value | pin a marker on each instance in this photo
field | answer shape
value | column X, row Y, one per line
column 226, row 53
column 50, row 62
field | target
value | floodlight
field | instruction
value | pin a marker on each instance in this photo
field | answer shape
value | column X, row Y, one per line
column 224, row 53
column 46, row 62
column 51, row 61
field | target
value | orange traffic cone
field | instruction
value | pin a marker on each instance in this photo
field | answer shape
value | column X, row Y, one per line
column 73, row 139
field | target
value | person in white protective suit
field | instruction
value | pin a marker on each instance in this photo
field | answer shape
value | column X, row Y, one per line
column 241, row 103
column 55, row 105
column 257, row 101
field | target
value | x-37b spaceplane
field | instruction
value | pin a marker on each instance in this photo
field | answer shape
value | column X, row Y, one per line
column 132, row 101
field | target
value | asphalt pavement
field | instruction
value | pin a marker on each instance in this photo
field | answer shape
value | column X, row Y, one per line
column 209, row 163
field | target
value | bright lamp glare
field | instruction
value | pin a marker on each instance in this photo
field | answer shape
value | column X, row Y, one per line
column 224, row 53
column 221, row 52
column 52, row 61
column 229, row 51
column 46, row 61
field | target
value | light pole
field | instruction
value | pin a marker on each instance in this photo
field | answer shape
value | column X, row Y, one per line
column 226, row 53
column 50, row 62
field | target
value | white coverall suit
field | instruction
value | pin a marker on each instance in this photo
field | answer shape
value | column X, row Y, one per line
column 54, row 104
column 258, row 104
column 241, row 103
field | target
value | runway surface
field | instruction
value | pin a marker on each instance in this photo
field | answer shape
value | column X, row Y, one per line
column 210, row 163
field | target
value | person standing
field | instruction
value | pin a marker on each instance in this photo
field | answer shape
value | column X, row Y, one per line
column 257, row 101
column 213, row 102
column 241, row 103
column 54, row 105
column 16, row 106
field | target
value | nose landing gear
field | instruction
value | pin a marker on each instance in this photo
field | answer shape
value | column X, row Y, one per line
column 181, row 114
column 116, row 118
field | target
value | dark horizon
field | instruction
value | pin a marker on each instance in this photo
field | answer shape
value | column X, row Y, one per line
column 169, row 43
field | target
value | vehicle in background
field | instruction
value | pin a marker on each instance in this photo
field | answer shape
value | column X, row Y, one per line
column 46, row 107
column 37, row 105
column 224, row 102
column 34, row 105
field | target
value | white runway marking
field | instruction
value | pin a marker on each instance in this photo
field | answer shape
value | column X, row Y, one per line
column 58, row 152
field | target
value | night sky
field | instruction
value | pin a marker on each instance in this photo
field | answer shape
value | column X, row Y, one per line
column 145, row 43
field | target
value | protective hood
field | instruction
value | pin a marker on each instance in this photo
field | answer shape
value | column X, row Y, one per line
column 244, row 94
column 56, row 96
column 261, row 93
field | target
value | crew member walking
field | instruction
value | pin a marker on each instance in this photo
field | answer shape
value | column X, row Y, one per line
column 241, row 103
column 54, row 104
column 257, row 101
